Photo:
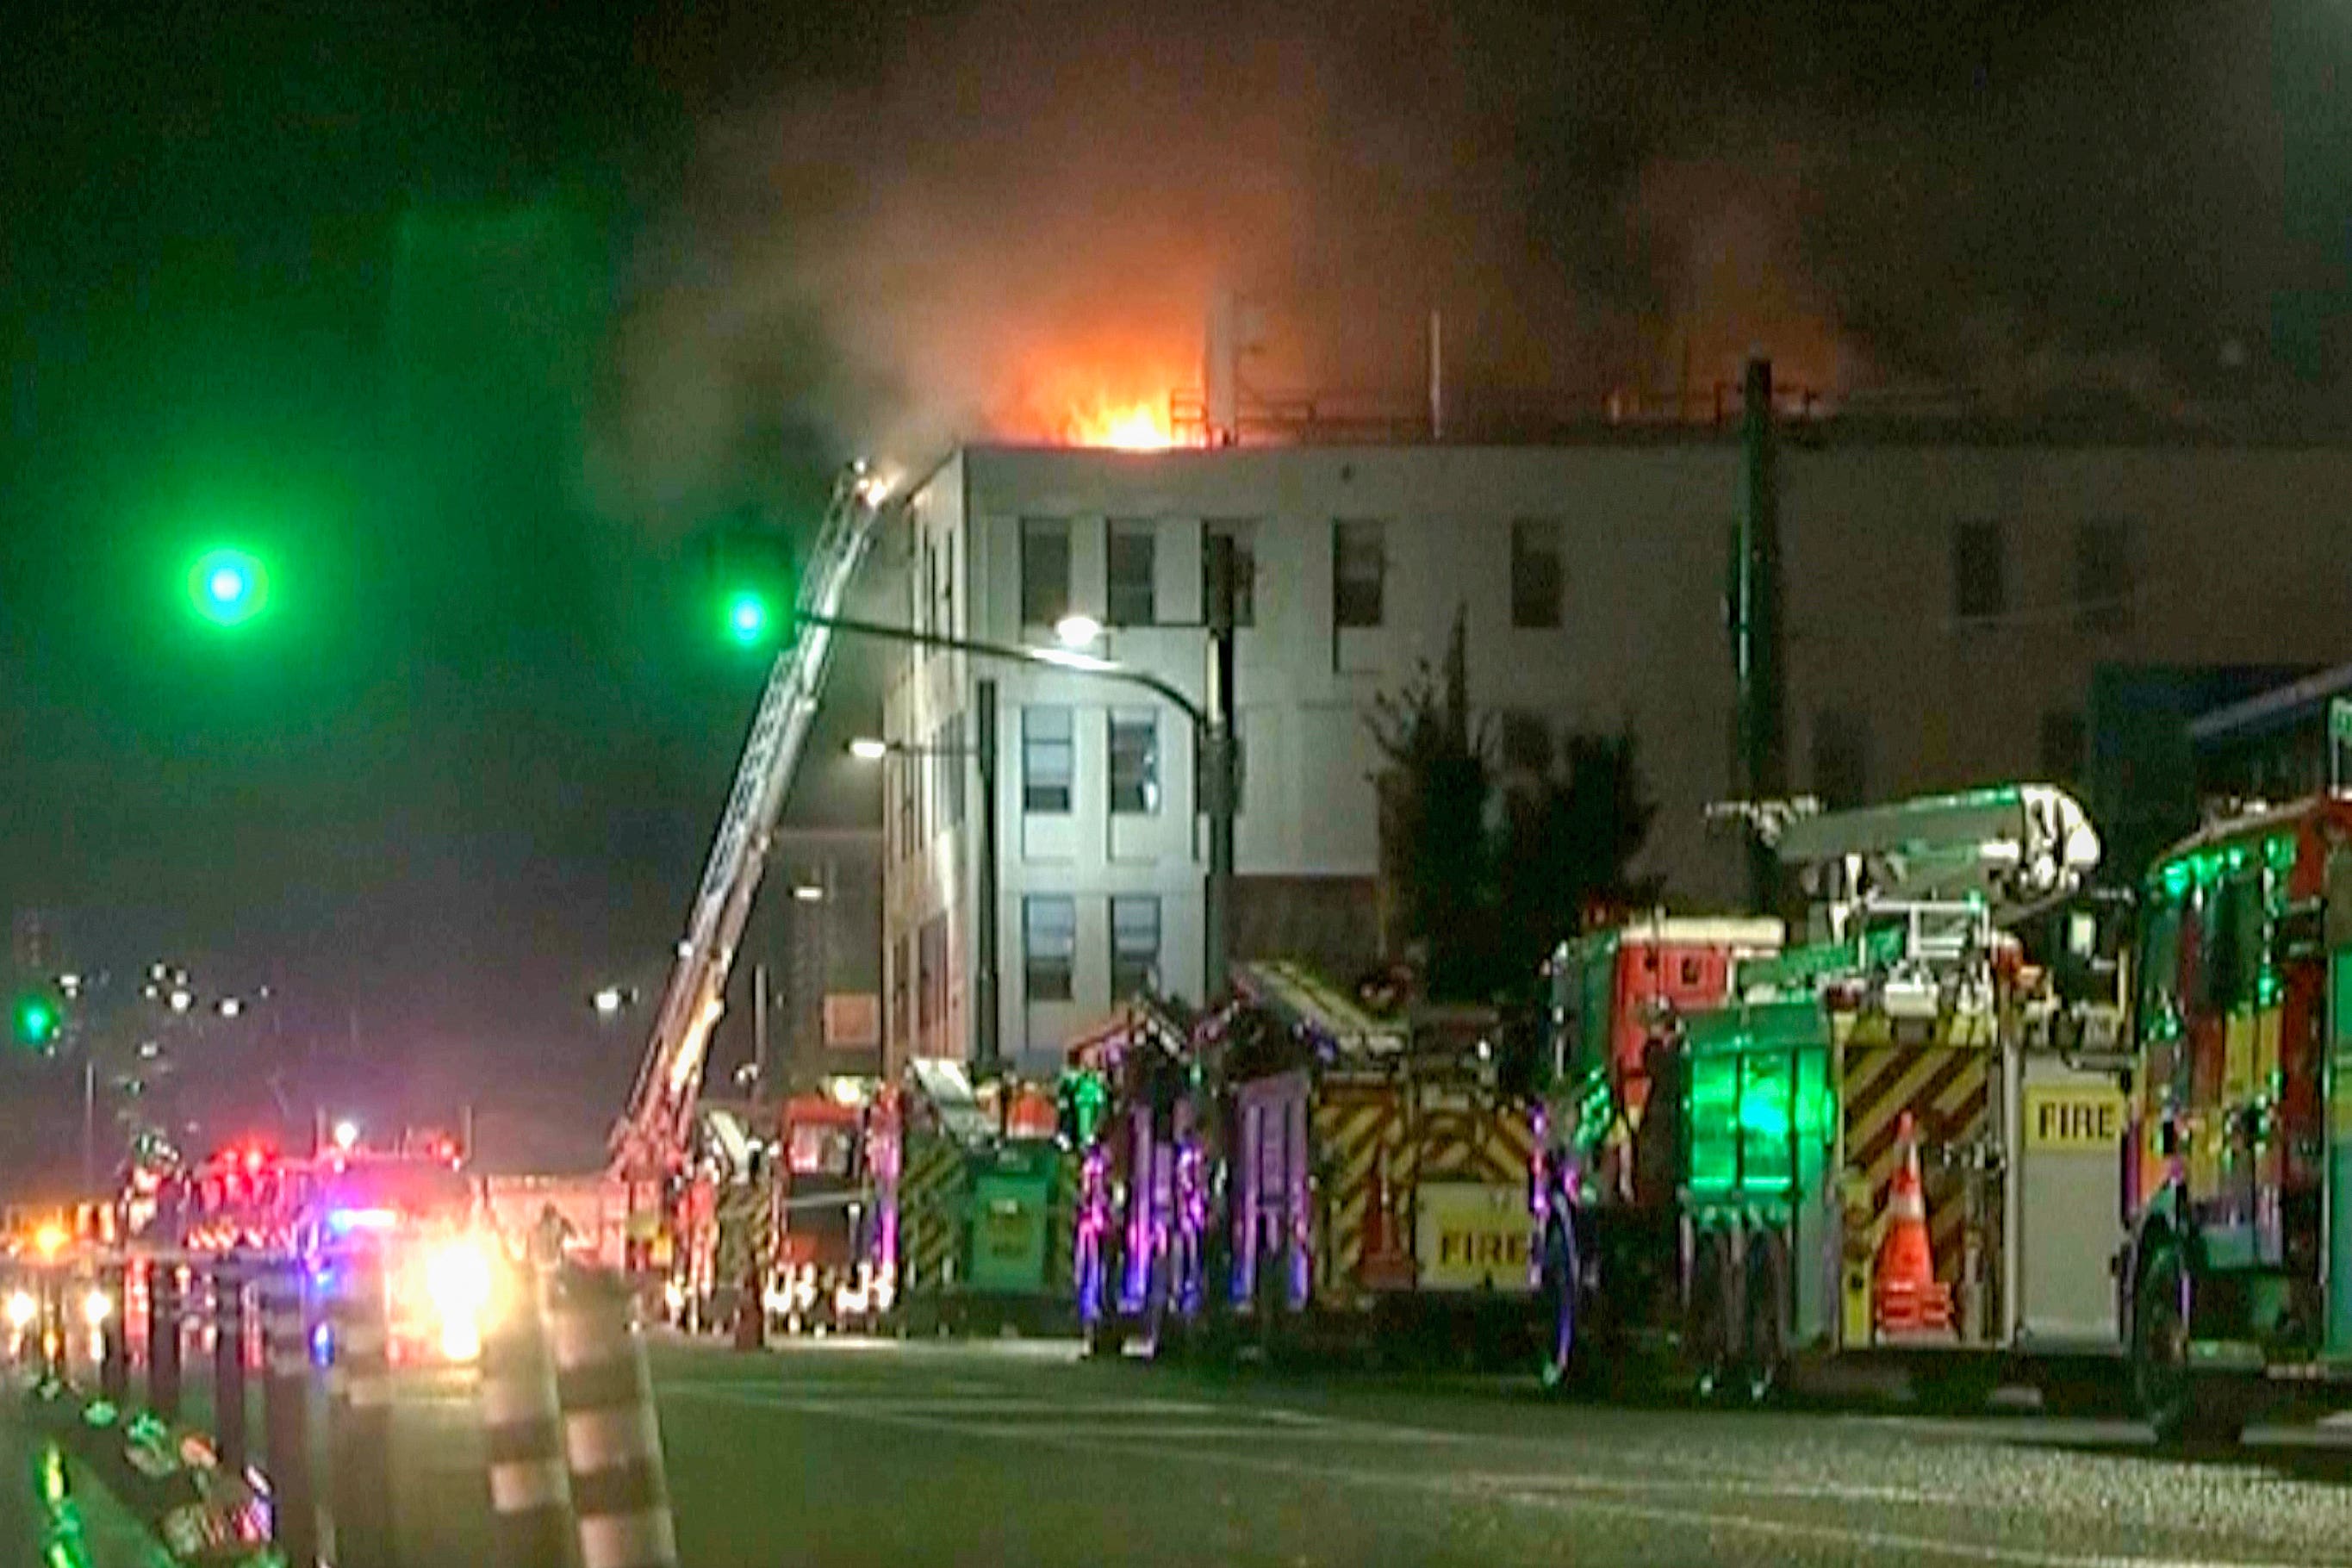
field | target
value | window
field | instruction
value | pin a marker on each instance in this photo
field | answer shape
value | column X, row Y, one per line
column 1133, row 558
column 923, row 591
column 1244, row 538
column 820, row 1148
column 1841, row 757
column 931, row 975
column 951, row 769
column 1134, row 946
column 1044, row 571
column 908, row 771
column 1049, row 946
column 1527, row 742
column 2102, row 577
column 1134, row 764
column 1538, row 573
column 1360, row 569
column 902, row 988
column 1980, row 571
column 1047, row 759
column 2062, row 745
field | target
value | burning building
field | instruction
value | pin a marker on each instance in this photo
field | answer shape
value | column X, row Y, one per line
column 1951, row 584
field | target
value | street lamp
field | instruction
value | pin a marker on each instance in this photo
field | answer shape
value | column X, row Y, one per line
column 1075, row 630
column 347, row 1134
column 869, row 749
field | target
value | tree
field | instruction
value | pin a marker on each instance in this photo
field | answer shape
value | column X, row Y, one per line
column 1567, row 845
column 1434, row 843
column 1487, row 879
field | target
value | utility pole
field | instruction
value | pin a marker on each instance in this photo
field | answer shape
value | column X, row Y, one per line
column 1219, row 775
column 1757, row 627
column 987, row 1047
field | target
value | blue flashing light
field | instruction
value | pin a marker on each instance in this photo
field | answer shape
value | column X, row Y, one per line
column 342, row 1222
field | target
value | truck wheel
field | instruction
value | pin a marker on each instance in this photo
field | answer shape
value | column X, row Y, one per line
column 2169, row 1396
column 1766, row 1342
column 1559, row 1318
column 1708, row 1319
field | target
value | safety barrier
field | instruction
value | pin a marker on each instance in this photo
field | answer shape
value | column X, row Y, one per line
column 574, row 1471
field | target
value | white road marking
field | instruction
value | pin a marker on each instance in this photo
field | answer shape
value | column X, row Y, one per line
column 1589, row 1495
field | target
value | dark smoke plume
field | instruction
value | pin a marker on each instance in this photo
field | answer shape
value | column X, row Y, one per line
column 988, row 219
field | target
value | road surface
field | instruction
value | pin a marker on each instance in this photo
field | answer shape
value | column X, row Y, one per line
column 864, row 1454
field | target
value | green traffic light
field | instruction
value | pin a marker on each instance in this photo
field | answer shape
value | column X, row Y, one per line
column 228, row 587
column 35, row 1018
column 747, row 617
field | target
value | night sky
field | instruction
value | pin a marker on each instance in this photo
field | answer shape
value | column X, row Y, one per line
column 470, row 326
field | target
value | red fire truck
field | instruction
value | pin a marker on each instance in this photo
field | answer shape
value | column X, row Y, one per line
column 411, row 1210
column 824, row 1273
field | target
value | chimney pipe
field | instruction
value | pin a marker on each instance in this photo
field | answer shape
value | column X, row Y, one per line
column 1437, row 376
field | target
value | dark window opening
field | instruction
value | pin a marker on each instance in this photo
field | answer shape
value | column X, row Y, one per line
column 1130, row 565
column 1980, row 571
column 1538, row 573
column 1359, row 566
column 1049, row 946
column 1244, row 538
column 1048, row 759
column 1134, row 946
column 1044, row 571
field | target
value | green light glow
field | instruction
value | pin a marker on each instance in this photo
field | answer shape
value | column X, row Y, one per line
column 35, row 1020
column 747, row 617
column 228, row 587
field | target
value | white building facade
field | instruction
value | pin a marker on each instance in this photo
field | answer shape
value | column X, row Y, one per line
column 1945, row 604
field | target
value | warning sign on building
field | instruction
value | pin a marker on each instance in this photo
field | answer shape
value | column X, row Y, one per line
column 2086, row 1117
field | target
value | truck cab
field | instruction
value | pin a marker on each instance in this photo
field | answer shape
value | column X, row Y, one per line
column 2241, row 1143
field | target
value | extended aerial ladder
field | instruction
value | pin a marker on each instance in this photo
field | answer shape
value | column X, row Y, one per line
column 653, row 1142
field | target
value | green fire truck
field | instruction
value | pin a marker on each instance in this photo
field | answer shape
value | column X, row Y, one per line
column 1734, row 1126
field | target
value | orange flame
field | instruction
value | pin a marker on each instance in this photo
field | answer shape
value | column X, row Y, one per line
column 1111, row 393
column 1130, row 428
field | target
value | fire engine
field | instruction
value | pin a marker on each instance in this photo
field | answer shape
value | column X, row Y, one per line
column 411, row 1211
column 826, row 1274
column 978, row 1198
column 2238, row 1278
column 1307, row 1167
column 1897, row 1139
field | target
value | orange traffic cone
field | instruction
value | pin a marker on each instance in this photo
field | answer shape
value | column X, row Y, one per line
column 1909, row 1299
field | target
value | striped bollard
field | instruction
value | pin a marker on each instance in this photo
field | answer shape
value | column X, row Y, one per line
column 228, row 1361
column 612, row 1438
column 114, row 1336
column 531, row 1521
column 358, row 1393
column 286, row 1413
column 164, row 1338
